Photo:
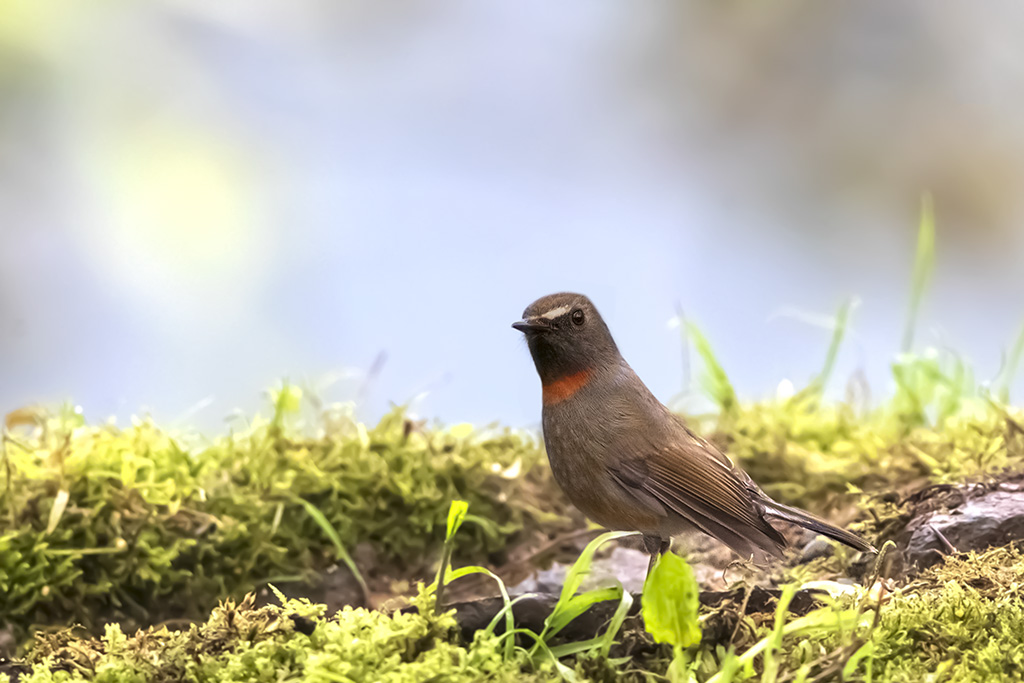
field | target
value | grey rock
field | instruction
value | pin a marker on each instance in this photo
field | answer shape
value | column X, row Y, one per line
column 975, row 521
column 622, row 565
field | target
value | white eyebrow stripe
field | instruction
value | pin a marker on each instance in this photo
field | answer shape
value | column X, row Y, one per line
column 554, row 313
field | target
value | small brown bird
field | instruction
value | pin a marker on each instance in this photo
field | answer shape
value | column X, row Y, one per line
column 628, row 462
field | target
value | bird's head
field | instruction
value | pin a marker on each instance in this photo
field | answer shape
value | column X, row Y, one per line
column 566, row 336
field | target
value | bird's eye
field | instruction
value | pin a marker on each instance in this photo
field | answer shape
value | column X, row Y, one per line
column 577, row 316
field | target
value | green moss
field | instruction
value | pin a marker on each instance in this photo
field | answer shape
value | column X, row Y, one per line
column 155, row 526
column 962, row 621
column 244, row 643
column 807, row 452
column 197, row 524
column 959, row 621
column 134, row 525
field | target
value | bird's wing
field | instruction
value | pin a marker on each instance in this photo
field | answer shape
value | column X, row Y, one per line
column 694, row 480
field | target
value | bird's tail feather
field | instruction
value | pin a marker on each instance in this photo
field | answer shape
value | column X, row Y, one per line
column 809, row 521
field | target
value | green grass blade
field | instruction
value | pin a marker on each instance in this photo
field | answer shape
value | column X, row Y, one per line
column 581, row 567
column 60, row 503
column 339, row 548
column 565, row 672
column 771, row 664
column 838, row 334
column 924, row 264
column 608, row 638
column 564, row 614
column 822, row 620
column 1009, row 370
column 486, row 525
column 679, row 321
column 573, row 579
column 507, row 608
column 576, row 647
column 729, row 666
column 715, row 380
column 865, row 652
column 456, row 515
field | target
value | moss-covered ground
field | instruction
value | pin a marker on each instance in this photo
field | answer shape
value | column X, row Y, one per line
column 135, row 526
column 115, row 530
column 959, row 622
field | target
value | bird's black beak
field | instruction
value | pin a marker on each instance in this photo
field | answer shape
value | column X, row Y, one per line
column 533, row 325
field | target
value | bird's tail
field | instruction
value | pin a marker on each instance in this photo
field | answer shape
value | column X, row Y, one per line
column 809, row 521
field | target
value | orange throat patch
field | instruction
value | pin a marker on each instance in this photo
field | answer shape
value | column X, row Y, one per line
column 566, row 387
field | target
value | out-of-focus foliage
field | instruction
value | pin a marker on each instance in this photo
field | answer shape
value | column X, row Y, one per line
column 806, row 451
column 857, row 112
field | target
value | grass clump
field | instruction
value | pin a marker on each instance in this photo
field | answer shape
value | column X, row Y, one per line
column 806, row 450
column 960, row 621
column 295, row 641
column 938, row 425
column 99, row 524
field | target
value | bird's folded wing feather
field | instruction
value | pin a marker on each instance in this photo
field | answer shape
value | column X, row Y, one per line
column 692, row 479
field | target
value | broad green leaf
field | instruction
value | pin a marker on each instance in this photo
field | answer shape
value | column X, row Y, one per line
column 670, row 602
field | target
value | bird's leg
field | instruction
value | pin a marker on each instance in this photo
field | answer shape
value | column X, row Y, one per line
column 656, row 547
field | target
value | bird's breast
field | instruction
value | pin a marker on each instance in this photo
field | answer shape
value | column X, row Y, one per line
column 581, row 436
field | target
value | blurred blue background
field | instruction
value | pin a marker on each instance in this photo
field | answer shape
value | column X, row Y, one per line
column 198, row 199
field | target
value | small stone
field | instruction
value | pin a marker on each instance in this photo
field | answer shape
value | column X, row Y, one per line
column 819, row 547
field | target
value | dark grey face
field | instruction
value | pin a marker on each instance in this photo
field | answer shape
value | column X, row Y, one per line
column 566, row 334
